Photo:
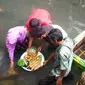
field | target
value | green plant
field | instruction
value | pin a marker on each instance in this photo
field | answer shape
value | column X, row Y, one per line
column 22, row 62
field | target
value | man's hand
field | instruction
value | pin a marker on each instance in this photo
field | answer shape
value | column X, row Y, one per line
column 45, row 62
column 59, row 81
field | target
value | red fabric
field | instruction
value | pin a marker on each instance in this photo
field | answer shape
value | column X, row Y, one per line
column 40, row 14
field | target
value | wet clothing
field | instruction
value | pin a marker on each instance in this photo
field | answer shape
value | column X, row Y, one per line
column 41, row 14
column 47, row 29
column 15, row 37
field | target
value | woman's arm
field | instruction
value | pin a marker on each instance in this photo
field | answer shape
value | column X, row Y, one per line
column 30, row 41
column 11, row 49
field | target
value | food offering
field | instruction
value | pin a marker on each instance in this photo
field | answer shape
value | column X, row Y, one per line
column 31, row 59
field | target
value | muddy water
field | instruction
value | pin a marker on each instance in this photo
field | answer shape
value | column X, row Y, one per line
column 70, row 14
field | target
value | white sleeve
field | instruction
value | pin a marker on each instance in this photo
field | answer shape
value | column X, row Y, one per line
column 61, row 29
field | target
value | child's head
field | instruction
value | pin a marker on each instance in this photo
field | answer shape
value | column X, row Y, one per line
column 34, row 22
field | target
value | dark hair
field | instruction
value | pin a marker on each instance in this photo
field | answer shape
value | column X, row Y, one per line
column 55, row 34
column 34, row 22
column 37, row 32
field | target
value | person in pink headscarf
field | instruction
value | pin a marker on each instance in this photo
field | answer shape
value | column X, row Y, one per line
column 38, row 17
column 16, row 37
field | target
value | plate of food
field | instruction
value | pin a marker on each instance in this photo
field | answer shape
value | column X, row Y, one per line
column 31, row 60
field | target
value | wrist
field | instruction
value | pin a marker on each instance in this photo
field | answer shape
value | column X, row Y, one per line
column 11, row 64
column 46, row 61
column 60, row 77
column 12, row 61
column 62, row 73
